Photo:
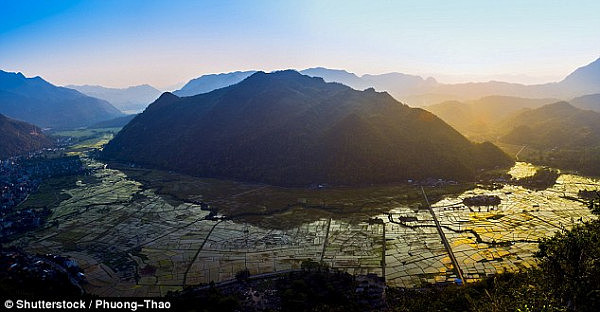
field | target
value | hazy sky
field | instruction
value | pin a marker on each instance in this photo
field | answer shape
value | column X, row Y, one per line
column 121, row 43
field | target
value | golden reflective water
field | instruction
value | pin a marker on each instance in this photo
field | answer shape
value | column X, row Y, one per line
column 133, row 242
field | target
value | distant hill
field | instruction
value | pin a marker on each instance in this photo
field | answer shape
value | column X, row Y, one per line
column 207, row 83
column 400, row 86
column 396, row 84
column 478, row 118
column 417, row 91
column 39, row 102
column 289, row 129
column 557, row 135
column 114, row 123
column 337, row 75
column 129, row 100
column 584, row 80
column 558, row 125
column 18, row 137
column 590, row 101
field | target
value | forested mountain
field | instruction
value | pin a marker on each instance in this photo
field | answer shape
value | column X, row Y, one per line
column 39, row 102
column 555, row 125
column 285, row 128
column 18, row 137
column 479, row 118
column 115, row 122
column 557, row 135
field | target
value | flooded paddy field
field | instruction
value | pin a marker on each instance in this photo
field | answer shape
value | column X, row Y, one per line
column 134, row 236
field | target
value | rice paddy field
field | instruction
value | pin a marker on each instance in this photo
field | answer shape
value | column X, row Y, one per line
column 139, row 232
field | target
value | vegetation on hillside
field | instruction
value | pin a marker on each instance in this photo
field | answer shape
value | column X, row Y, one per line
column 18, row 137
column 585, row 160
column 558, row 135
column 39, row 102
column 558, row 125
column 478, row 119
column 288, row 129
column 118, row 122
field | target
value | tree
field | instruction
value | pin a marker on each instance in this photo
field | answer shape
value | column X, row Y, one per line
column 570, row 262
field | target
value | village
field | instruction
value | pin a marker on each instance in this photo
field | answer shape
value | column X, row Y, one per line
column 48, row 274
column 21, row 176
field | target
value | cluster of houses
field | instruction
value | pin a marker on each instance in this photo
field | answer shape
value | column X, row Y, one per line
column 593, row 199
column 432, row 182
column 23, row 268
column 371, row 291
column 19, row 177
column 482, row 200
column 15, row 183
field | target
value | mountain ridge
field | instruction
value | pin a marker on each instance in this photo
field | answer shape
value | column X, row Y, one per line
column 289, row 129
column 18, row 137
column 418, row 91
column 478, row 118
column 132, row 99
column 41, row 103
column 588, row 101
column 554, row 125
column 210, row 82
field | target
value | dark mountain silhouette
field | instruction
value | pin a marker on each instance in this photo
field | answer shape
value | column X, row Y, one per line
column 396, row 83
column 590, row 101
column 285, row 128
column 478, row 119
column 207, row 83
column 18, row 137
column 39, row 102
column 114, row 123
column 129, row 100
column 557, row 125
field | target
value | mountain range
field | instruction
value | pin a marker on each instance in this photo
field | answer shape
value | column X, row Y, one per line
column 131, row 100
column 559, row 135
column 557, row 125
column 39, row 102
column 590, row 101
column 18, row 137
column 418, row 92
column 478, row 119
column 289, row 129
column 207, row 83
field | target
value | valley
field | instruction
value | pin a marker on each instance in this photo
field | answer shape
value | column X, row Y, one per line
column 141, row 232
column 398, row 156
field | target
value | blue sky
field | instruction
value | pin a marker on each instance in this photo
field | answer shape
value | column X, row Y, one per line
column 120, row 43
